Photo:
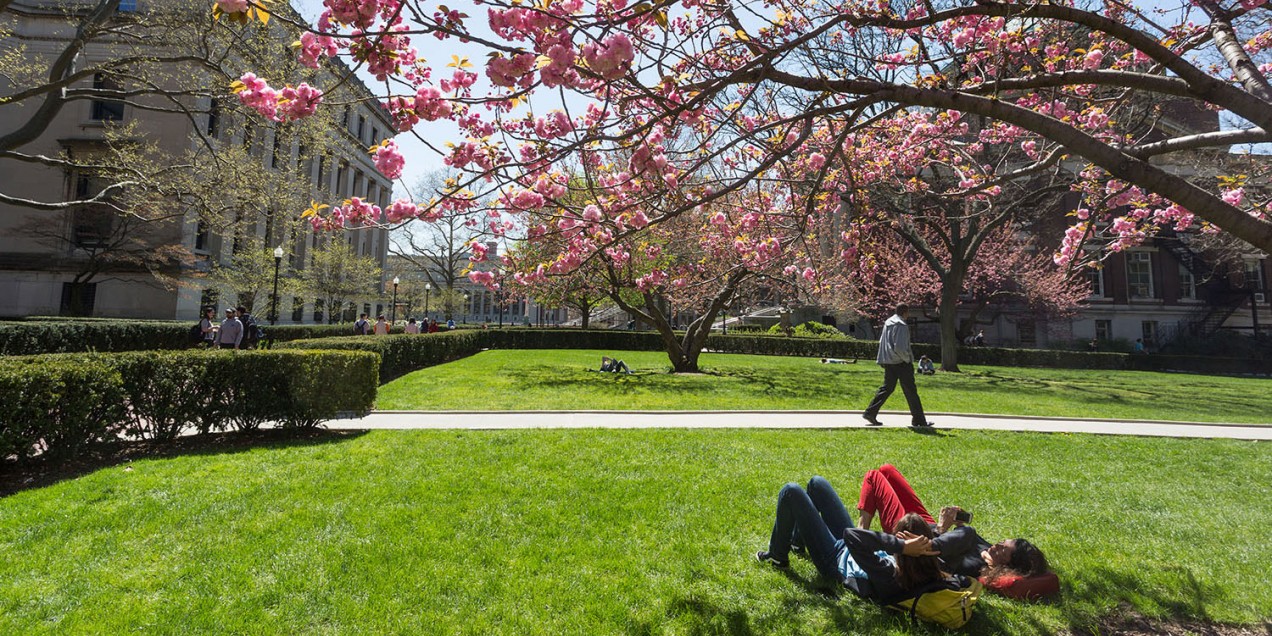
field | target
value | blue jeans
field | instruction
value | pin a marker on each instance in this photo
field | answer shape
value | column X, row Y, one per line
column 816, row 519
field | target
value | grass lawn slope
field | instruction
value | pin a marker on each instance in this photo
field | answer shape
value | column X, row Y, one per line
column 567, row 380
column 612, row 532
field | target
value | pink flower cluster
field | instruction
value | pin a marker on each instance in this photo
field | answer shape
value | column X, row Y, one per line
column 388, row 160
column 511, row 71
column 232, row 6
column 295, row 103
column 430, row 105
column 313, row 47
column 610, row 59
column 401, row 210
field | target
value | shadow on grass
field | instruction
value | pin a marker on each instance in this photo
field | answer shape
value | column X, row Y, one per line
column 38, row 474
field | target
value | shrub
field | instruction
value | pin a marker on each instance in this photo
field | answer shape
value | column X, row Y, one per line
column 58, row 409
column 402, row 353
column 810, row 329
column 38, row 336
column 59, row 405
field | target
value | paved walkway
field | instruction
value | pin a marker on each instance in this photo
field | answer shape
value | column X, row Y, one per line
column 782, row 419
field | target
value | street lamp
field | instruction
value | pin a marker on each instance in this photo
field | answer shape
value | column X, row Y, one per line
column 427, row 290
column 393, row 311
column 273, row 310
column 466, row 309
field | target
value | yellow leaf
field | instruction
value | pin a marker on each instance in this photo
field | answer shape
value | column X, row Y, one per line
column 660, row 17
column 542, row 61
column 314, row 208
column 741, row 35
column 216, row 12
column 237, row 87
column 459, row 62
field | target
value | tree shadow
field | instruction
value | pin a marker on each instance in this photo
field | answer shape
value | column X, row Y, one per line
column 15, row 478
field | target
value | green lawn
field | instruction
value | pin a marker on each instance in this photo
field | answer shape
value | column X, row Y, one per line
column 550, row 379
column 611, row 532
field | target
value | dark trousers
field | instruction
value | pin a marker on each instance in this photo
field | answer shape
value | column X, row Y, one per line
column 904, row 373
column 814, row 518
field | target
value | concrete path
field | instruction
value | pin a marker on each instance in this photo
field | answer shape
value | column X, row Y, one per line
column 782, row 419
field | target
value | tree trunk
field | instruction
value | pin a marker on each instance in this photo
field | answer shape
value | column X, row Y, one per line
column 948, row 309
column 586, row 310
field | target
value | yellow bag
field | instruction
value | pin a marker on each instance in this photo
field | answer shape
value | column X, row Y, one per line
column 942, row 602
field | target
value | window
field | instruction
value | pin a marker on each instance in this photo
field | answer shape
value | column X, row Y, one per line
column 249, row 138
column 298, row 309
column 1149, row 330
column 1254, row 275
column 1104, row 330
column 208, row 298
column 214, row 118
column 322, row 173
column 341, row 171
column 358, row 184
column 317, row 310
column 92, row 224
column 1139, row 274
column 202, row 234
column 1187, row 284
column 344, row 118
column 1095, row 276
column 106, row 109
column 1028, row 333
column 375, row 136
column 78, row 299
column 362, row 121
column 276, row 157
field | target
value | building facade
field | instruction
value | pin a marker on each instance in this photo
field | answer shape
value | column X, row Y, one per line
column 47, row 256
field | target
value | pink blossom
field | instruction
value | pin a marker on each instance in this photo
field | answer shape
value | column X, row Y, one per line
column 1234, row 196
column 809, row 274
column 257, row 94
column 401, row 210
column 639, row 220
column 592, row 214
column 1093, row 60
column 430, row 106
column 313, row 47
column 485, row 279
column 611, row 58
column 388, row 160
column 816, row 161
column 232, row 6
column 300, row 102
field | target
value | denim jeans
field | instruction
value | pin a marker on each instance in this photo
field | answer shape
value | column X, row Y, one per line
column 814, row 518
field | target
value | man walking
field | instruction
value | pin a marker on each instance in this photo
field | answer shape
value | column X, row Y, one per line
column 898, row 365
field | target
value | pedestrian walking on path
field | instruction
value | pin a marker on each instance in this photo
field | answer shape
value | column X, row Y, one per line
column 898, row 366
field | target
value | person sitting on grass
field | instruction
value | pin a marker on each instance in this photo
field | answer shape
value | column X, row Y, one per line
column 611, row 365
column 810, row 521
column 1012, row 567
column 925, row 366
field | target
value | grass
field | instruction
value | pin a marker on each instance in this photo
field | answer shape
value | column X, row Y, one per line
column 550, row 380
column 612, row 532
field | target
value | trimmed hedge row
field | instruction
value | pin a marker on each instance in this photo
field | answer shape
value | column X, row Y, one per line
column 401, row 354
column 61, row 405
column 71, row 336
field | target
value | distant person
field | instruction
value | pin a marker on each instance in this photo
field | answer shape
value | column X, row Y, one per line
column 207, row 327
column 1093, row 346
column 230, row 335
column 433, row 327
column 898, row 366
column 381, row 326
column 362, row 327
column 979, row 340
column 251, row 330
column 1139, row 346
column 450, row 323
column 838, row 361
column 411, row 327
column 612, row 365
column 925, row 366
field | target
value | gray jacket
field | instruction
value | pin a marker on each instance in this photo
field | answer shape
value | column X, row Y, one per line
column 231, row 333
column 894, row 342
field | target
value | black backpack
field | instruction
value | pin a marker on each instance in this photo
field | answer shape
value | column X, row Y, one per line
column 196, row 333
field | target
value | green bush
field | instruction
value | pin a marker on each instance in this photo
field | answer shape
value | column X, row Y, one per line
column 810, row 329
column 38, row 336
column 58, row 405
column 402, row 353
column 58, row 409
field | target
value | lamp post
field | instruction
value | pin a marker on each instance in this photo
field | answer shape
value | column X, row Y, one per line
column 393, row 311
column 273, row 309
column 466, row 308
column 427, row 290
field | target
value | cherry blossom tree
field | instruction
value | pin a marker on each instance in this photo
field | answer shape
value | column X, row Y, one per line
column 764, row 113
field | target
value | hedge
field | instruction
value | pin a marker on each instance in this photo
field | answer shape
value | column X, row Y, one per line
column 47, row 336
column 61, row 405
column 403, row 353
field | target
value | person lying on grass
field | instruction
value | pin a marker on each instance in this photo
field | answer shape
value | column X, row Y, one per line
column 611, row 365
column 1014, row 568
column 874, row 565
